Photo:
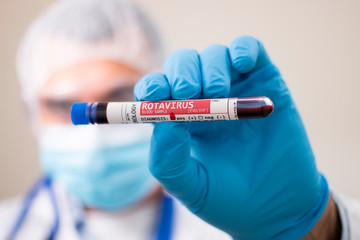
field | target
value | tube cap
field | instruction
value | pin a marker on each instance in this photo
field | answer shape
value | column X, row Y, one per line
column 80, row 113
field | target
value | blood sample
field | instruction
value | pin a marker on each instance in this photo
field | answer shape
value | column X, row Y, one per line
column 219, row 109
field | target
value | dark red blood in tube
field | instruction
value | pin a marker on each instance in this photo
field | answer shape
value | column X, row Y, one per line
column 172, row 116
column 254, row 107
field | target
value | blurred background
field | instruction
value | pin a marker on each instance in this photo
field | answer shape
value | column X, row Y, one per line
column 314, row 43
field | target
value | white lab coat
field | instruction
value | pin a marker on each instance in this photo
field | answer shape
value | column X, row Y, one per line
column 349, row 210
column 134, row 225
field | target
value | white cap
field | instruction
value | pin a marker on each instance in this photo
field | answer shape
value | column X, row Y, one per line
column 73, row 31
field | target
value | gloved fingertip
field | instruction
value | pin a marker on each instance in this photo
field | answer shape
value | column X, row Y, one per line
column 152, row 87
column 243, row 64
column 177, row 56
column 183, row 72
column 216, row 70
column 244, row 53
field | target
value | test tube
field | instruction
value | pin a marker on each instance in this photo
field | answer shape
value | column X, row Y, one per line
column 220, row 109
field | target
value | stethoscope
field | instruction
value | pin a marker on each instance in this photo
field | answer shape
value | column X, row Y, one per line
column 163, row 229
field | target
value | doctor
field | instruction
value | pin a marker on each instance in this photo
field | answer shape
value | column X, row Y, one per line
column 251, row 179
column 96, row 182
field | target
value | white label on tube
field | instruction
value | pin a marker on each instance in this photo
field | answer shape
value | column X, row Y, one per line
column 174, row 110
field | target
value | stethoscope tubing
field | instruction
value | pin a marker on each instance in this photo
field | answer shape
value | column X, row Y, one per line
column 163, row 231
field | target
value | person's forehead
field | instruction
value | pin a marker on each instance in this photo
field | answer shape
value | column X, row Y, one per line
column 92, row 78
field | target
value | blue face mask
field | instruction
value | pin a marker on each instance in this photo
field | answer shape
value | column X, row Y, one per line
column 104, row 167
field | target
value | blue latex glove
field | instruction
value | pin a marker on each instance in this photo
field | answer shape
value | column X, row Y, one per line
column 254, row 179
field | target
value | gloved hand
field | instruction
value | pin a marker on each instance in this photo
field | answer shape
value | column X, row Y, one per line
column 254, row 179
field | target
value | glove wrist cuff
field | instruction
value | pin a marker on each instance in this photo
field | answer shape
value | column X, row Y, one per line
column 308, row 221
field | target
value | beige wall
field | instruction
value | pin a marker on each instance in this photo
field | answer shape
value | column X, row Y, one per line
column 314, row 43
